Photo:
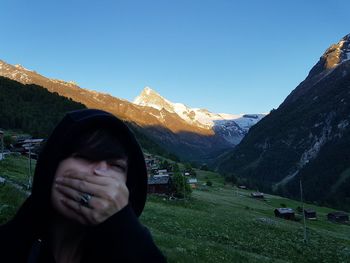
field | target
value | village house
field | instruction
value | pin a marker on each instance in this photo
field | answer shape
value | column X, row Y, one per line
column 285, row 213
column 152, row 164
column 310, row 213
column 257, row 195
column 192, row 182
column 242, row 187
column 27, row 145
column 159, row 185
column 338, row 216
column 163, row 172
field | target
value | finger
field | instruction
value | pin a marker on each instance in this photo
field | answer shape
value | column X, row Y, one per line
column 94, row 202
column 111, row 173
column 68, row 192
column 85, row 177
column 85, row 214
column 83, row 186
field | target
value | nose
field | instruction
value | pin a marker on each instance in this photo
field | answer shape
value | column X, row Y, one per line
column 101, row 165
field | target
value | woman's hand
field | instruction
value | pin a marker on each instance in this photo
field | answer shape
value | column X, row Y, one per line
column 107, row 188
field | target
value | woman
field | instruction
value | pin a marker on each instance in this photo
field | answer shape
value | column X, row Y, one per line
column 89, row 187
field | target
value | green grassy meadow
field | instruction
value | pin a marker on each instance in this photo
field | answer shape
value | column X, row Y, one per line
column 223, row 224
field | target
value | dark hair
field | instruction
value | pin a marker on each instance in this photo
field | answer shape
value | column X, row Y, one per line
column 96, row 145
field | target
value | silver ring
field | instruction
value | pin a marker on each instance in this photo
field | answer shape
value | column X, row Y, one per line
column 84, row 199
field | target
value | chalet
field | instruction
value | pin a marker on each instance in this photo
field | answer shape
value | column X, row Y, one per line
column 161, row 175
column 163, row 171
column 257, row 195
column 285, row 213
column 338, row 216
column 192, row 182
column 159, row 185
column 26, row 145
column 310, row 213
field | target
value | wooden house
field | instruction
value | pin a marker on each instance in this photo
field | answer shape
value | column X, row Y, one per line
column 192, row 182
column 338, row 216
column 162, row 171
column 159, row 185
column 285, row 213
column 310, row 213
column 257, row 195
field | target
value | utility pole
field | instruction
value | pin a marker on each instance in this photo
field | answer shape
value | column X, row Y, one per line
column 30, row 167
column 302, row 207
column 185, row 181
column 2, row 144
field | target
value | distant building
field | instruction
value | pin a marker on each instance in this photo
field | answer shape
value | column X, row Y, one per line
column 242, row 187
column 257, row 195
column 26, row 145
column 163, row 171
column 159, row 185
column 285, row 213
column 192, row 182
column 160, row 175
column 310, row 213
column 338, row 216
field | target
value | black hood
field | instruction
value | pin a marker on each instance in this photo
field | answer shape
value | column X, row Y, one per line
column 71, row 126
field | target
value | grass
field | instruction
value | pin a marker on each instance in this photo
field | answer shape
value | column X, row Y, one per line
column 223, row 224
column 16, row 168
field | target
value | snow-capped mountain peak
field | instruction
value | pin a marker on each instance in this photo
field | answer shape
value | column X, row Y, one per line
column 219, row 122
column 151, row 98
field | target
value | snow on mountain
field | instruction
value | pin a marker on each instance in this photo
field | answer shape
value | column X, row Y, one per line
column 238, row 123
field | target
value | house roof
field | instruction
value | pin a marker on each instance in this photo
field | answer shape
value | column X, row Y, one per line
column 338, row 213
column 257, row 194
column 309, row 210
column 285, row 210
column 192, row 180
column 158, row 180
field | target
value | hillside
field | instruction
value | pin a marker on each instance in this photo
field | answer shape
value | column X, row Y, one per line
column 36, row 111
column 222, row 223
column 31, row 108
column 306, row 138
column 171, row 129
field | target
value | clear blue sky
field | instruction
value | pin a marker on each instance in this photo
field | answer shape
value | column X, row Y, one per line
column 229, row 56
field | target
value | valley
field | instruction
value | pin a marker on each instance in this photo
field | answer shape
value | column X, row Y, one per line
column 223, row 222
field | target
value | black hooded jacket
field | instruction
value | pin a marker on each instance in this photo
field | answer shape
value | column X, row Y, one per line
column 121, row 238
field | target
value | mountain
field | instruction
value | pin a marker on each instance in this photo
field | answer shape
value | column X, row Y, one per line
column 230, row 127
column 307, row 138
column 30, row 108
column 192, row 134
